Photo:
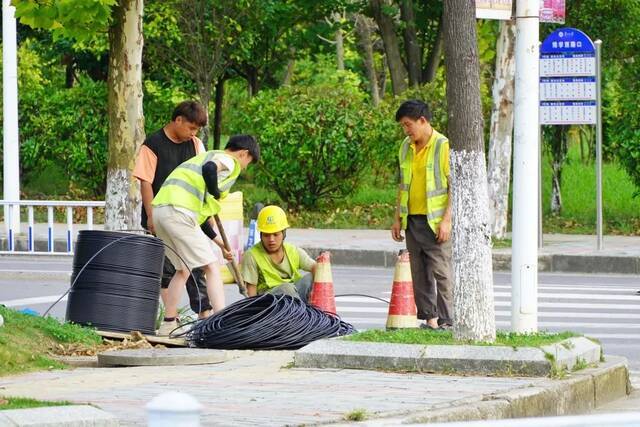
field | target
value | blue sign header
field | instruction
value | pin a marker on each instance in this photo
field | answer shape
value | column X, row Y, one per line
column 567, row 40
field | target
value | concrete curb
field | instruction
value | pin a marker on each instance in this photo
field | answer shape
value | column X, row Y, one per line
column 582, row 392
column 58, row 416
column 551, row 263
column 339, row 353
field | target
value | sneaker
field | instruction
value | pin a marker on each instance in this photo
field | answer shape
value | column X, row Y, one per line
column 171, row 329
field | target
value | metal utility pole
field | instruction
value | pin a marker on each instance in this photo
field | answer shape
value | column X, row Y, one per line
column 524, row 260
column 11, row 148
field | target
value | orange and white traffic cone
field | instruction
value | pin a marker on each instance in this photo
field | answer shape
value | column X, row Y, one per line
column 322, row 295
column 402, row 308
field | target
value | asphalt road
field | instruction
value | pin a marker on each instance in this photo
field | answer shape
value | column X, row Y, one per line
column 606, row 307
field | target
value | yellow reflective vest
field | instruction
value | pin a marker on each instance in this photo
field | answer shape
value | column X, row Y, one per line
column 185, row 186
column 437, row 182
column 269, row 272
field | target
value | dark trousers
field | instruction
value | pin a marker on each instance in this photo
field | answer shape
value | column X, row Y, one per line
column 430, row 271
column 198, row 299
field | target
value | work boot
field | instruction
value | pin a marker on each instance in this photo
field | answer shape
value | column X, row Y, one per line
column 172, row 327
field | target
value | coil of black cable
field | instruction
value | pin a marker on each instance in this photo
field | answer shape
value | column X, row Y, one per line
column 266, row 322
column 115, row 281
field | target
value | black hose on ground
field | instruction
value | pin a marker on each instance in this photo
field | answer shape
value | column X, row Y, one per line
column 266, row 322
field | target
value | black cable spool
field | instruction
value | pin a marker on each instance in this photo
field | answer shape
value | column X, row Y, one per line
column 117, row 281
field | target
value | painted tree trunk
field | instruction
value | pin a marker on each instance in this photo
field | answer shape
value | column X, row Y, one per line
column 391, row 46
column 126, row 120
column 363, row 29
column 412, row 47
column 474, row 314
column 501, row 134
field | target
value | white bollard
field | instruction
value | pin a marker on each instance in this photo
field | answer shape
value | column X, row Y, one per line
column 1, row 320
column 173, row 409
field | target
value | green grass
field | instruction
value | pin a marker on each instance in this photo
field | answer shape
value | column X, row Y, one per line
column 26, row 342
column 24, row 403
column 356, row 415
column 426, row 337
column 621, row 211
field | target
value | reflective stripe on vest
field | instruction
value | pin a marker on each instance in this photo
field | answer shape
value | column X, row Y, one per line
column 268, row 272
column 437, row 184
column 185, row 186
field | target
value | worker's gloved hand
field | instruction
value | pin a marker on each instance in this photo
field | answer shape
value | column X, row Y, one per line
column 210, row 175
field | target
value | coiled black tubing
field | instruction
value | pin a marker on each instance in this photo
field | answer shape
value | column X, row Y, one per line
column 266, row 322
column 115, row 284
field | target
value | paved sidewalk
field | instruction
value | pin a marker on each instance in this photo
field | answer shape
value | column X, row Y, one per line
column 560, row 253
column 259, row 388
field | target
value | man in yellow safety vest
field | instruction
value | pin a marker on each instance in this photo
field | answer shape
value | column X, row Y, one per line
column 274, row 266
column 424, row 212
column 188, row 198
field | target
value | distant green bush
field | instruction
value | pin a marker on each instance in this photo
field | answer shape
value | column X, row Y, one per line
column 314, row 139
column 66, row 128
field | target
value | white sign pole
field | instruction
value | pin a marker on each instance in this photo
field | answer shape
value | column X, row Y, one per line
column 598, row 44
column 11, row 148
column 524, row 261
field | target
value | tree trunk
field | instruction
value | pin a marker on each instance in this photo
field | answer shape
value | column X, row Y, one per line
column 501, row 130
column 217, row 116
column 252, row 80
column 339, row 39
column 558, row 150
column 286, row 81
column 474, row 314
column 412, row 47
column 204, row 95
column 363, row 29
column 391, row 46
column 126, row 120
column 383, row 77
column 433, row 61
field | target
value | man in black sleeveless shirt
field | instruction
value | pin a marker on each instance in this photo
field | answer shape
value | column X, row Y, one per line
column 159, row 155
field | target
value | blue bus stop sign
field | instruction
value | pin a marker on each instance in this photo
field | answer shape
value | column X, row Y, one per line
column 567, row 40
column 567, row 78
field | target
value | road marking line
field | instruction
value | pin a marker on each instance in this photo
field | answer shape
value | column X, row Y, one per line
column 32, row 301
column 597, row 297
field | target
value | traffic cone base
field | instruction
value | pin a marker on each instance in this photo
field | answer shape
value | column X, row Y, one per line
column 322, row 295
column 402, row 307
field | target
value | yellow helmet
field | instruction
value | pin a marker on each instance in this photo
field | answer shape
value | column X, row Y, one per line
column 272, row 219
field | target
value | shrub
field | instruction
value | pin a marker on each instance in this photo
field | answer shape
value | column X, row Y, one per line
column 314, row 140
column 66, row 127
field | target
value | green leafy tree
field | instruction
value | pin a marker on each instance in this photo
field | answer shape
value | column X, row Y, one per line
column 122, row 19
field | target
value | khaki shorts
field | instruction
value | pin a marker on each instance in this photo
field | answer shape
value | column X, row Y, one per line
column 180, row 232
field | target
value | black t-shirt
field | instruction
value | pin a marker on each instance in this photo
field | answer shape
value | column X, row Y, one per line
column 169, row 156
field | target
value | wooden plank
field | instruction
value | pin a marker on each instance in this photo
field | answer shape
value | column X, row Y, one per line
column 153, row 339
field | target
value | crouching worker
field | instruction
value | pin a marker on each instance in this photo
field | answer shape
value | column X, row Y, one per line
column 188, row 199
column 274, row 266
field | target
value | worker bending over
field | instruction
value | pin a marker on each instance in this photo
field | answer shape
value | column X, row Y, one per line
column 188, row 198
column 273, row 266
